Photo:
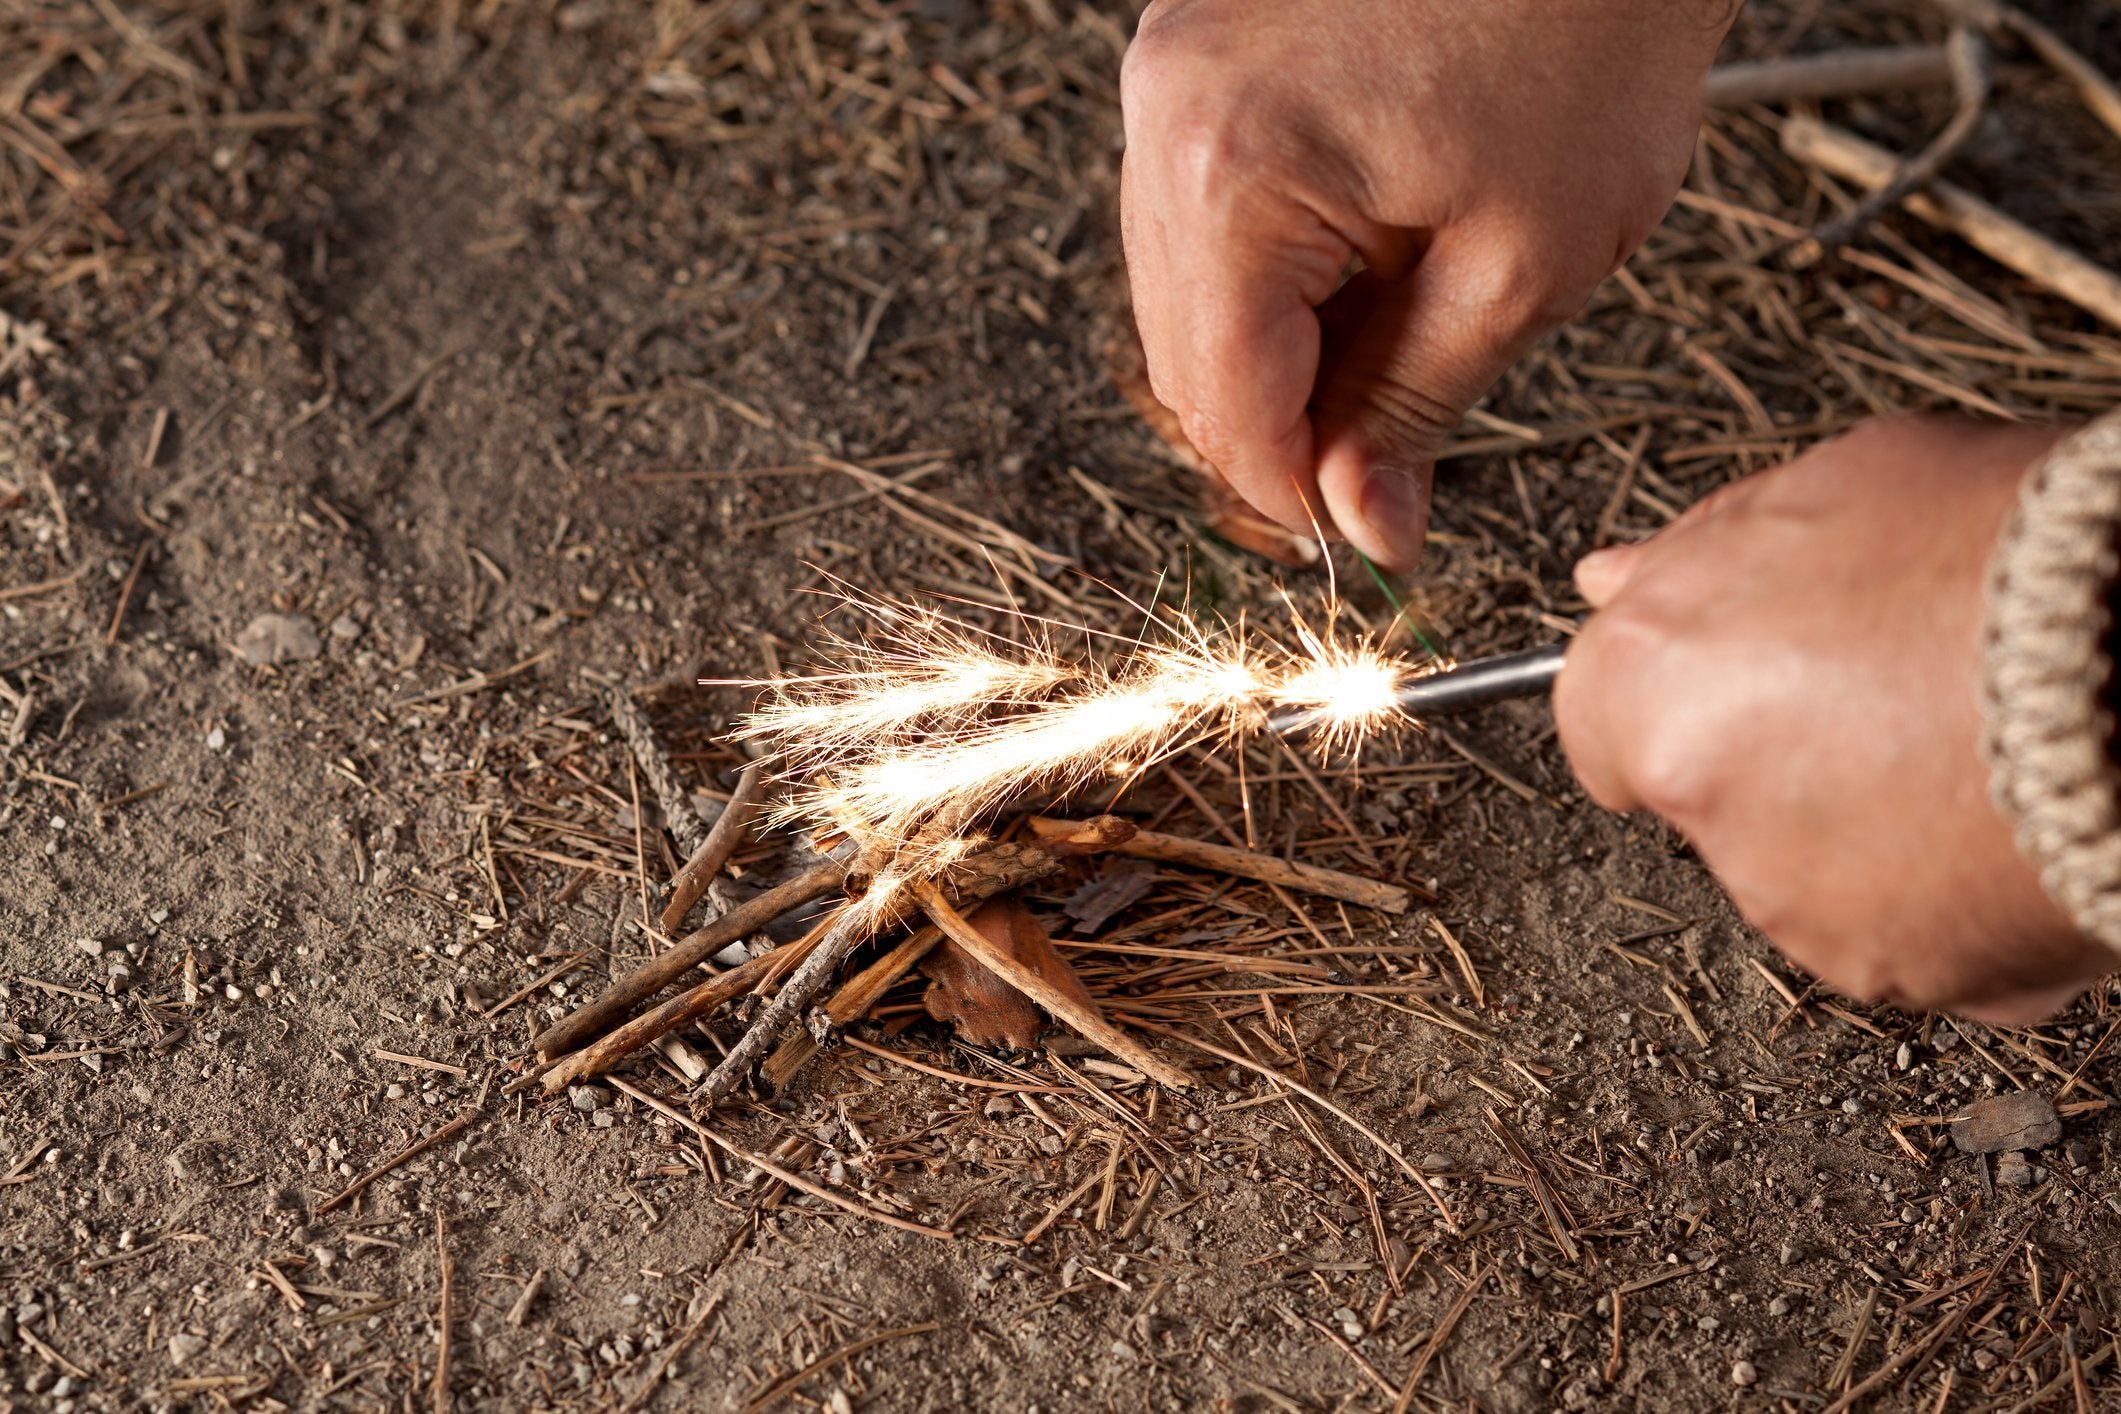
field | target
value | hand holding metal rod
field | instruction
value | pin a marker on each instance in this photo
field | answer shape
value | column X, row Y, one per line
column 1475, row 684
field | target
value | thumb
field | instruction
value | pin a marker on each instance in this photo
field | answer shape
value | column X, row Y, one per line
column 1402, row 360
column 1602, row 574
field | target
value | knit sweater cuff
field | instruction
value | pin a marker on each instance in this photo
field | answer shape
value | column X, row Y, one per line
column 2046, row 673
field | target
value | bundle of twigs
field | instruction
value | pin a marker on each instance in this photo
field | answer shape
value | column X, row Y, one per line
column 627, row 1018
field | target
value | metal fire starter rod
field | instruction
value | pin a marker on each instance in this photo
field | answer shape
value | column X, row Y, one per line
column 1474, row 684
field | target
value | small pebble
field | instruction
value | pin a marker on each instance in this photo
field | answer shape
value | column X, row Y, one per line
column 92, row 946
column 1743, row 1374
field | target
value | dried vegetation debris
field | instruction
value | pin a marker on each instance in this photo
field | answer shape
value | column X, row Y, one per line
column 1655, row 1162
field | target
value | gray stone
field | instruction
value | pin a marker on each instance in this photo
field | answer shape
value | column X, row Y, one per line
column 184, row 1346
column 278, row 638
column 2024, row 1119
column 2014, row 1169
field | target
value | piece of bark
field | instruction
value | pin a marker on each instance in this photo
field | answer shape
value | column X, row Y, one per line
column 1118, row 886
column 2025, row 1119
column 986, row 1010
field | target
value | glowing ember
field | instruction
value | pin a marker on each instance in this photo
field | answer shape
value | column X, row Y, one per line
column 924, row 729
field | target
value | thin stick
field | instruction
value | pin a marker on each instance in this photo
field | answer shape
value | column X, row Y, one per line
column 793, row 1180
column 1442, row 1333
column 642, row 1395
column 678, row 813
column 731, row 829
column 1840, row 73
column 995, row 870
column 1246, row 864
column 2094, row 89
column 2048, row 264
column 1421, row 1180
column 850, row 1004
column 1970, row 83
column 125, row 595
column 576, row 1028
column 411, row 1151
column 442, row 1316
column 607, row 1051
column 773, row 1393
column 1085, row 1021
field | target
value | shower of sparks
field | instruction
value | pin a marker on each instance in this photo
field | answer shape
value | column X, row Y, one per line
column 924, row 728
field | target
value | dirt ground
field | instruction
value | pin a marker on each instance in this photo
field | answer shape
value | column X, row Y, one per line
column 513, row 349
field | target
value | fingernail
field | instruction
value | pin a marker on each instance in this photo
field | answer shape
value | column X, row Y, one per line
column 1394, row 507
column 1600, row 574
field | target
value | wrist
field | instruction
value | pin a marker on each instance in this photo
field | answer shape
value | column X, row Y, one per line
column 2048, row 672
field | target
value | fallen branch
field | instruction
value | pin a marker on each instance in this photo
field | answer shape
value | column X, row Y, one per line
column 731, row 829
column 1084, row 1021
column 2047, row 263
column 1245, row 863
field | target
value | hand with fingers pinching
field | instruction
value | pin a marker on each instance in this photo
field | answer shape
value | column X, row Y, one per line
column 1488, row 164
column 1790, row 675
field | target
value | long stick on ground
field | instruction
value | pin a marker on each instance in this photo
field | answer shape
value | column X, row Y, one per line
column 1246, row 864
column 979, row 877
column 575, row 1029
column 1840, row 73
column 731, row 829
column 2049, row 264
column 1082, row 1020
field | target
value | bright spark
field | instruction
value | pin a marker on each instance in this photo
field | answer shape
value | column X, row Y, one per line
column 924, row 728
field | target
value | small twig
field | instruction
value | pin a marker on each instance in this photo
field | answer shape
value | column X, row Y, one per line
column 607, row 1051
column 520, row 1311
column 633, row 724
column 1246, row 864
column 553, row 974
column 731, row 829
column 1970, row 85
column 411, row 1151
column 575, row 1029
column 1085, row 1021
column 1839, row 73
column 793, row 1180
column 2048, row 264
column 125, row 595
column 640, row 1397
column 1444, row 1327
column 850, row 1004
column 443, row 1315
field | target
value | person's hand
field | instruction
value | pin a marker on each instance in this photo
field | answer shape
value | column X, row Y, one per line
column 1789, row 674
column 1490, row 161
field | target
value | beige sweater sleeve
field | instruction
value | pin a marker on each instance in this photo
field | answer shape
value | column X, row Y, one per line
column 2046, row 676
